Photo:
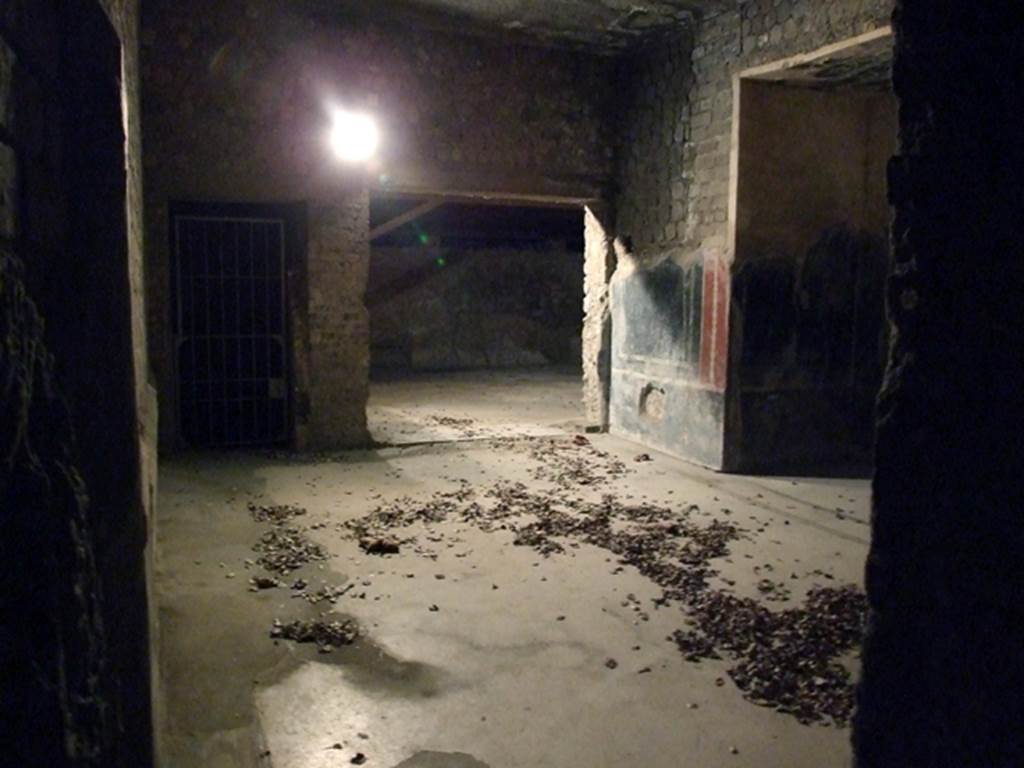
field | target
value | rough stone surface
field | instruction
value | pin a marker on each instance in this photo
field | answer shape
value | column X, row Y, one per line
column 73, row 478
column 236, row 112
column 943, row 668
column 338, row 326
column 459, row 308
column 57, row 689
column 608, row 27
column 7, row 59
column 598, row 267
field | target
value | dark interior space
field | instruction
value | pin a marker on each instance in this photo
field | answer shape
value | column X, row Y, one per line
column 468, row 287
column 694, row 336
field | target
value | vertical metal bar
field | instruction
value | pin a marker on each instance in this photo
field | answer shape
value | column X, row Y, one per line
column 209, row 361
column 223, row 341
column 281, row 344
column 267, row 336
column 252, row 332
column 193, row 331
column 239, row 393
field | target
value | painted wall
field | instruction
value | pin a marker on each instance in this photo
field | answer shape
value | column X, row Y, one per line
column 809, row 333
column 673, row 169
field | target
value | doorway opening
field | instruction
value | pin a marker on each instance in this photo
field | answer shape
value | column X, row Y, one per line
column 812, row 137
column 230, row 303
column 476, row 315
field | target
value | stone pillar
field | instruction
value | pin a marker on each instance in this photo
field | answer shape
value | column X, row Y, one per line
column 598, row 266
column 943, row 663
column 338, row 325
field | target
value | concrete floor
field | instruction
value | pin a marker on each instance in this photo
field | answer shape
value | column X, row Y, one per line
column 493, row 676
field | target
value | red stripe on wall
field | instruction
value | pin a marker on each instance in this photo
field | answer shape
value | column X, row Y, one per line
column 707, row 323
column 721, row 346
column 714, row 332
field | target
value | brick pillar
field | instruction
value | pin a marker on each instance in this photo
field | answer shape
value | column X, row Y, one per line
column 943, row 664
column 598, row 265
column 338, row 324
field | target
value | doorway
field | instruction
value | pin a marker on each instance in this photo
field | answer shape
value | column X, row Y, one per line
column 476, row 316
column 230, row 307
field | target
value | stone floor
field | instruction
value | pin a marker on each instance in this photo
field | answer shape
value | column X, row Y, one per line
column 424, row 408
column 475, row 651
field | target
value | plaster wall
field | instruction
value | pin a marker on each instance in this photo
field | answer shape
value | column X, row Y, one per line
column 809, row 333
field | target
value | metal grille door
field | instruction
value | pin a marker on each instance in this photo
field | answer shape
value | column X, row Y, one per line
column 230, row 326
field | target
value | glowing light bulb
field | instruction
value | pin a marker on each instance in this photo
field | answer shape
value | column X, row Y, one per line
column 354, row 137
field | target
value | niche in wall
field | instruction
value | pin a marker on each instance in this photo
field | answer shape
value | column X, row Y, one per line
column 809, row 334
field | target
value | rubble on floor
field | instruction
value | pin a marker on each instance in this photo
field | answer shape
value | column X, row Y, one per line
column 785, row 659
column 283, row 548
column 327, row 635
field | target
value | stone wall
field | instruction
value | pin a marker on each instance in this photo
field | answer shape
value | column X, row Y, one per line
column 75, row 456
column 235, row 111
column 456, row 308
column 673, row 205
column 942, row 683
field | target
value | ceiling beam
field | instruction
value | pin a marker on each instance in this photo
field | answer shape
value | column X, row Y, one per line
column 402, row 219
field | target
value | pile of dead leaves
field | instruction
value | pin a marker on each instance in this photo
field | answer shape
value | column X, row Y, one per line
column 785, row 659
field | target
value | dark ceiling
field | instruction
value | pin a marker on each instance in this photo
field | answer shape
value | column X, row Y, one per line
column 601, row 26
column 468, row 226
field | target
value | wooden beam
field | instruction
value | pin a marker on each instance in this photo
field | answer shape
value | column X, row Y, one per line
column 402, row 219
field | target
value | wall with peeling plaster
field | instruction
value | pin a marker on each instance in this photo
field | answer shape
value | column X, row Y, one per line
column 678, row 278
column 809, row 333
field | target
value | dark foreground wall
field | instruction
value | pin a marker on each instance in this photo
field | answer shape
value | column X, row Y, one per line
column 943, row 665
column 74, row 461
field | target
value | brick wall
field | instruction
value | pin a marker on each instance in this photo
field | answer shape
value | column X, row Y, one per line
column 338, row 344
column 655, row 117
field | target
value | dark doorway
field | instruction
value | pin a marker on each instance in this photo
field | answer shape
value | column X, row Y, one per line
column 476, row 313
column 230, row 284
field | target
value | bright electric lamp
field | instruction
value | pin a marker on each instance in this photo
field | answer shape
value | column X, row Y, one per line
column 354, row 136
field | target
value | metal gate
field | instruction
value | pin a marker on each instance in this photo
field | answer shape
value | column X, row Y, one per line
column 230, row 329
